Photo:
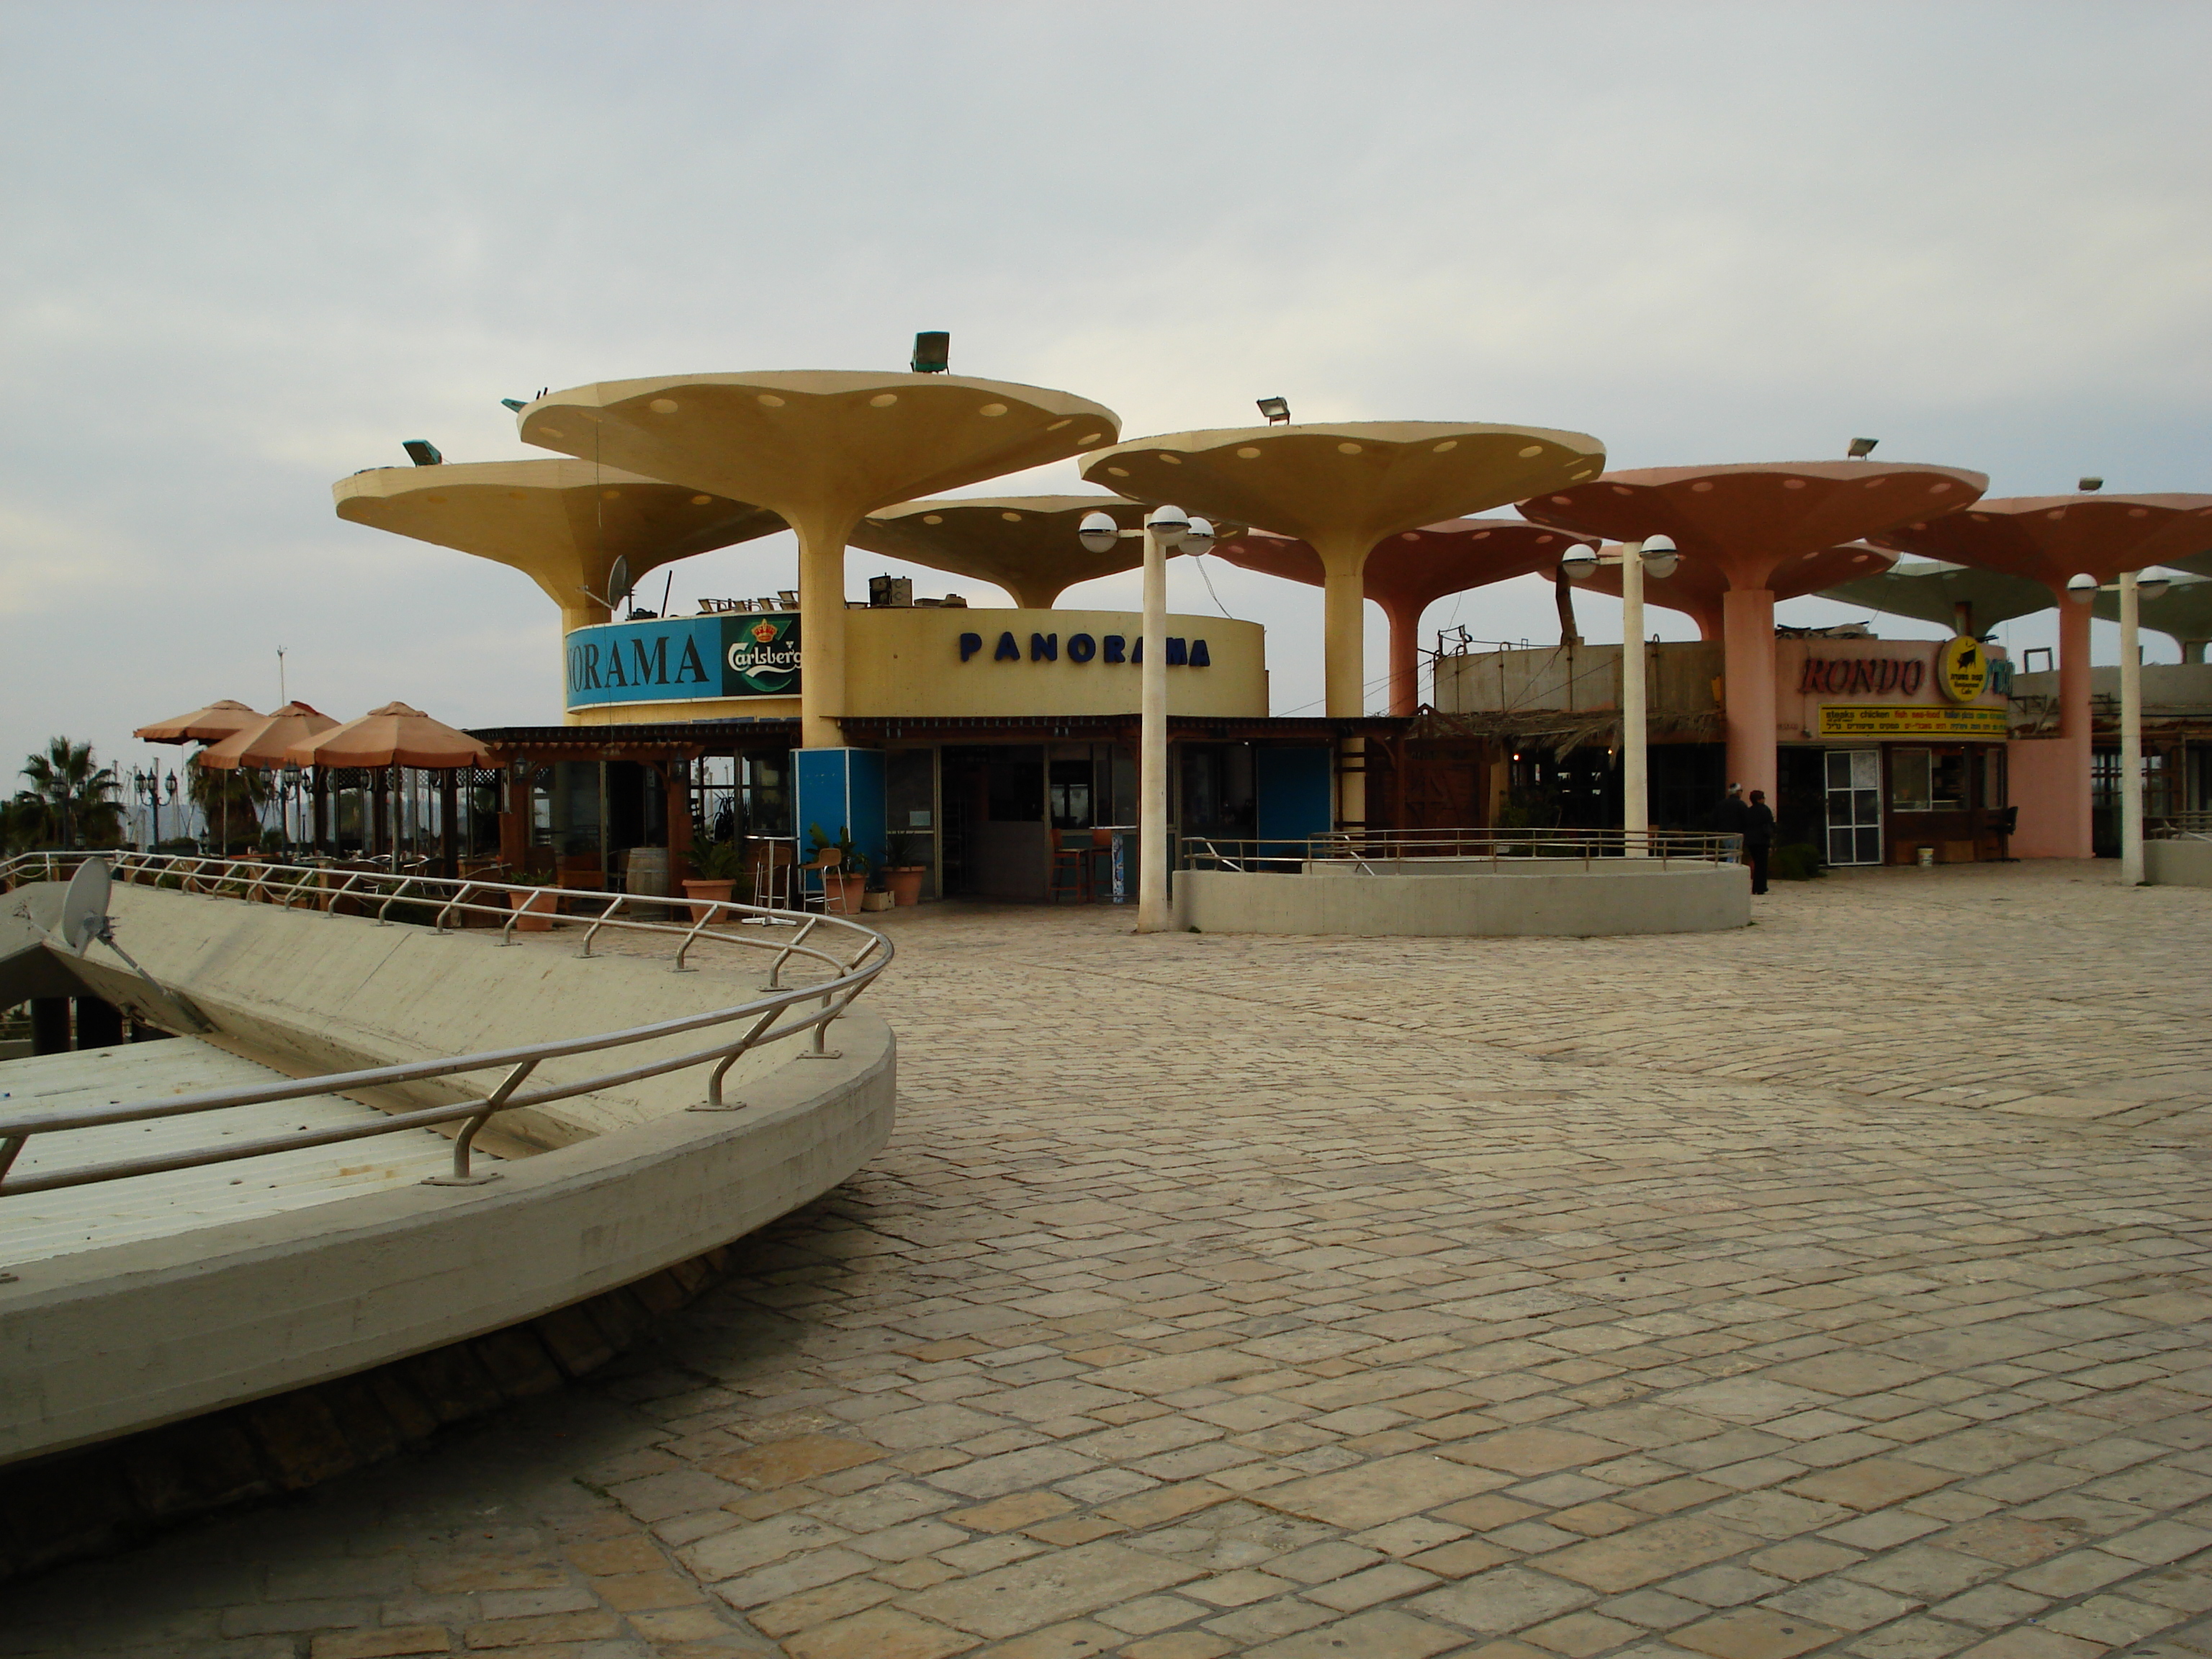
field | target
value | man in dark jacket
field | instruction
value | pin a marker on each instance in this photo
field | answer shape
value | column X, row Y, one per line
column 1757, row 837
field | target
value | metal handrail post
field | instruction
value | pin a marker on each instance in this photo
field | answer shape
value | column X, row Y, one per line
column 614, row 904
column 464, row 1142
column 714, row 1101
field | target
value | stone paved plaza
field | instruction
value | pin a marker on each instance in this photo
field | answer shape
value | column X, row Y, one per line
column 1837, row 1285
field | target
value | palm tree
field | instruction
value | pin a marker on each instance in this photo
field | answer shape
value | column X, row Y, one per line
column 72, row 799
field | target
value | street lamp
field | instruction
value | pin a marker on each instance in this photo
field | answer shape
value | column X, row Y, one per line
column 2132, row 586
column 291, row 785
column 1165, row 529
column 1654, row 555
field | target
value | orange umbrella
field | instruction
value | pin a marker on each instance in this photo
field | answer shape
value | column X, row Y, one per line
column 263, row 744
column 394, row 735
column 209, row 724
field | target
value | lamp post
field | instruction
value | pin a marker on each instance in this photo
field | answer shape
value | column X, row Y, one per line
column 1656, row 555
column 291, row 780
column 1165, row 529
column 2132, row 588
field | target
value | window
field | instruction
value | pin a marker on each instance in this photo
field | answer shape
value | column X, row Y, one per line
column 1909, row 781
column 1947, row 787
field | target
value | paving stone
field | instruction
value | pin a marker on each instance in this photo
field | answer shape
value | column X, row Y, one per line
column 1751, row 1633
column 1503, row 1600
column 1883, row 1300
column 1014, row 1598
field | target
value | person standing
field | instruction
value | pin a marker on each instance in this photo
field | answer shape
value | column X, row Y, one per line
column 1757, row 837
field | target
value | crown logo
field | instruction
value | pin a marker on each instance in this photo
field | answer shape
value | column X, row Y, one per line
column 764, row 632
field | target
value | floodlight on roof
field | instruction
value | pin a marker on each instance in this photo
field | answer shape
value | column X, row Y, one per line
column 1277, row 410
column 515, row 403
column 2089, row 486
column 1861, row 449
column 2082, row 588
column 423, row 452
column 932, row 351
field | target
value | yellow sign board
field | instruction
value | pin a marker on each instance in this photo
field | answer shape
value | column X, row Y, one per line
column 1855, row 720
column 1962, row 668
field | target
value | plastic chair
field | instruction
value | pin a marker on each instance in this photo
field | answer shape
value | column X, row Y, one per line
column 821, row 865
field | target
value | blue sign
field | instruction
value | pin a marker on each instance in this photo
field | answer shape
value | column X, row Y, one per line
column 674, row 659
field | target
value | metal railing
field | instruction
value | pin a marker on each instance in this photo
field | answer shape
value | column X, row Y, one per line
column 1360, row 851
column 849, row 955
column 2180, row 826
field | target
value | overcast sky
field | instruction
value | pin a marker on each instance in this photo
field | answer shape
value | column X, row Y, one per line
column 247, row 249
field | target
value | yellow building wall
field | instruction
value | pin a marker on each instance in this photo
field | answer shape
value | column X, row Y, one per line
column 908, row 662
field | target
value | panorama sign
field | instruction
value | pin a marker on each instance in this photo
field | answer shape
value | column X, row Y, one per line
column 675, row 659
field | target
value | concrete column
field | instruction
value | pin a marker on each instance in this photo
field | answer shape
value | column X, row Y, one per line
column 2131, row 765
column 1635, row 716
column 1344, row 601
column 1152, row 850
column 1747, row 639
column 1405, row 657
column 2077, row 838
column 821, row 537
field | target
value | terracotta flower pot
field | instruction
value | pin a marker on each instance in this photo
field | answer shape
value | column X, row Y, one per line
column 535, row 909
column 905, row 880
column 708, row 890
column 842, row 894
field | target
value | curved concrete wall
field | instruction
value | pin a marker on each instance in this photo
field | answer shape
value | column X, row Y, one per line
column 1522, row 897
column 2177, row 863
column 107, row 1341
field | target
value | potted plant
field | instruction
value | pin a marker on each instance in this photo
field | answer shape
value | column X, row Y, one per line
column 846, row 879
column 534, row 909
column 719, row 865
column 904, row 881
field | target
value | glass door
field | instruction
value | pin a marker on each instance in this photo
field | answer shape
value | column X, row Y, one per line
column 1854, row 806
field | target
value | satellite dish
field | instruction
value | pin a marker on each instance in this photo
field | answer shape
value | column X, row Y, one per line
column 84, row 906
column 619, row 585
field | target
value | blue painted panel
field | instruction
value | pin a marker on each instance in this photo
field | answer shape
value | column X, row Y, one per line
column 1294, row 791
column 841, row 789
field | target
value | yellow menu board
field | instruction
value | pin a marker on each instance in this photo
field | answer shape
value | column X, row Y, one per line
column 1862, row 720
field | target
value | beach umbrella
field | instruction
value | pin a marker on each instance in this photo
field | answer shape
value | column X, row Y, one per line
column 394, row 735
column 265, row 743
column 209, row 724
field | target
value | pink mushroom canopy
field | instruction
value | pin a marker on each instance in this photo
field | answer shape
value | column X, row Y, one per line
column 1749, row 520
column 1697, row 585
column 2053, row 539
column 1412, row 569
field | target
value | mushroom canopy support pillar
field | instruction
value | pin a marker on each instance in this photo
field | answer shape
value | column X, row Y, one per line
column 1747, row 686
column 2074, row 808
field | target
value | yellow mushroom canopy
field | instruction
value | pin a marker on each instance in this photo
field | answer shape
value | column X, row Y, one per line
column 562, row 523
column 818, row 443
column 1027, row 544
